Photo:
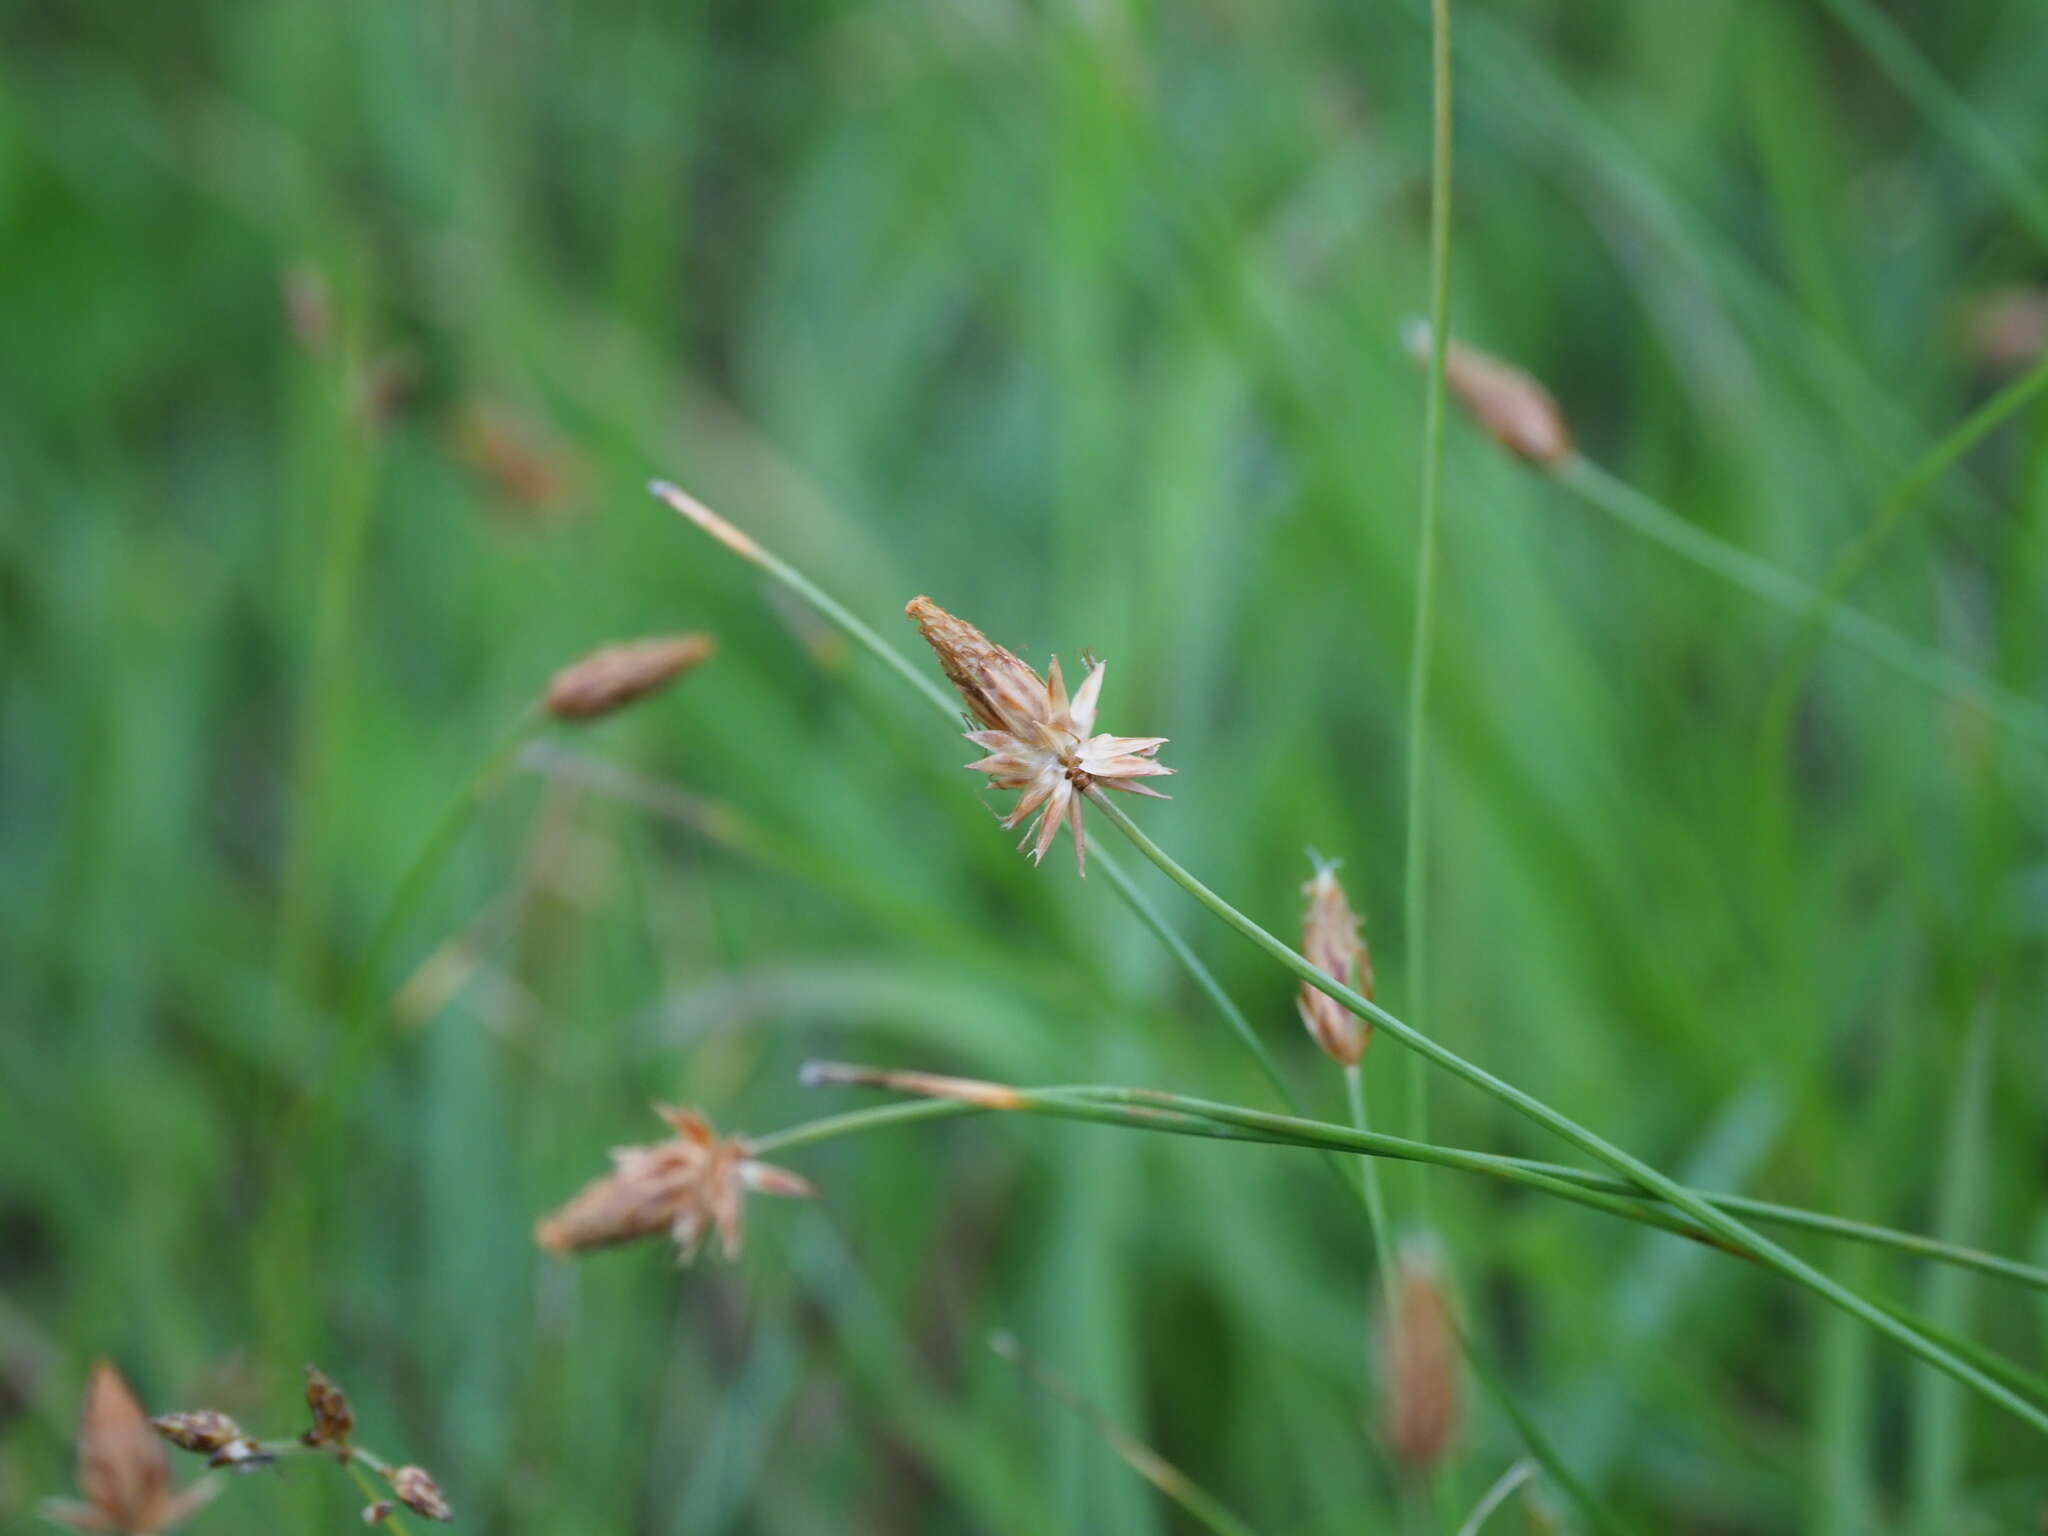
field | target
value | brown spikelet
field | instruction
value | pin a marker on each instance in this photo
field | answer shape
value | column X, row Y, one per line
column 418, row 1492
column 686, row 1186
column 516, row 456
column 122, row 1469
column 1508, row 404
column 1418, row 1361
column 1331, row 942
column 333, row 1419
column 999, row 689
column 610, row 678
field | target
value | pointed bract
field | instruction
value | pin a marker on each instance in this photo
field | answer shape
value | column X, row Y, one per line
column 123, row 1470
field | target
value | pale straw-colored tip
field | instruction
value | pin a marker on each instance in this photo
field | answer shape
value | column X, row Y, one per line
column 1509, row 405
column 695, row 510
column 928, row 1085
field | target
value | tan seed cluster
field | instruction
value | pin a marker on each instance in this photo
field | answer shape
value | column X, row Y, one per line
column 614, row 676
column 1508, row 404
column 685, row 1186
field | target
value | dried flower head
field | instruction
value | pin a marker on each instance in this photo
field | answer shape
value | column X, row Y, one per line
column 419, row 1493
column 122, row 1469
column 1330, row 940
column 1039, row 741
column 1511, row 406
column 614, row 676
column 683, row 1186
column 1418, row 1360
column 333, row 1419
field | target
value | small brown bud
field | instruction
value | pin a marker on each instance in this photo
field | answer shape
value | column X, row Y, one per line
column 614, row 676
column 419, row 1493
column 2008, row 328
column 1508, row 404
column 204, row 1431
column 332, row 1416
column 998, row 687
column 1330, row 941
column 1418, row 1360
column 377, row 1513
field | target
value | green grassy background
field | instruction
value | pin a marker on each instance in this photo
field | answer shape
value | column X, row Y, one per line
column 1083, row 320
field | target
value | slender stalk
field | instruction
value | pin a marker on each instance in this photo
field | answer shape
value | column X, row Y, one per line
column 1182, row 1115
column 1369, row 1181
column 1503, row 1488
column 830, row 606
column 1422, row 644
column 364, row 997
column 1201, row 1505
column 1819, row 606
column 1720, row 1223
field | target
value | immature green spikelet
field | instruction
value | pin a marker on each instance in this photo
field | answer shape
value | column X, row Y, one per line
column 1039, row 741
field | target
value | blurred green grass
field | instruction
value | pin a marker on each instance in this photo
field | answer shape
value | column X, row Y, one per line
column 1082, row 321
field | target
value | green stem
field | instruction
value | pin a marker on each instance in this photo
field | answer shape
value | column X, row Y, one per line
column 1422, row 646
column 1369, row 1183
column 1182, row 1115
column 1722, row 1225
column 1818, row 606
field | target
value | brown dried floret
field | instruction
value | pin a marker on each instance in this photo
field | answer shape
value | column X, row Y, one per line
column 1038, row 740
column 1508, row 404
column 614, row 676
column 333, row 1419
column 419, row 1493
column 122, row 1469
column 683, row 1186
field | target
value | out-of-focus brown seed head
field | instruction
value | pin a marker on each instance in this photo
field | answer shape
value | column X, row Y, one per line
column 333, row 1419
column 685, row 1186
column 1331, row 942
column 2008, row 327
column 614, row 676
column 379, row 1512
column 1508, row 404
column 1419, row 1397
column 308, row 306
column 517, row 456
column 419, row 1493
column 122, row 1469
